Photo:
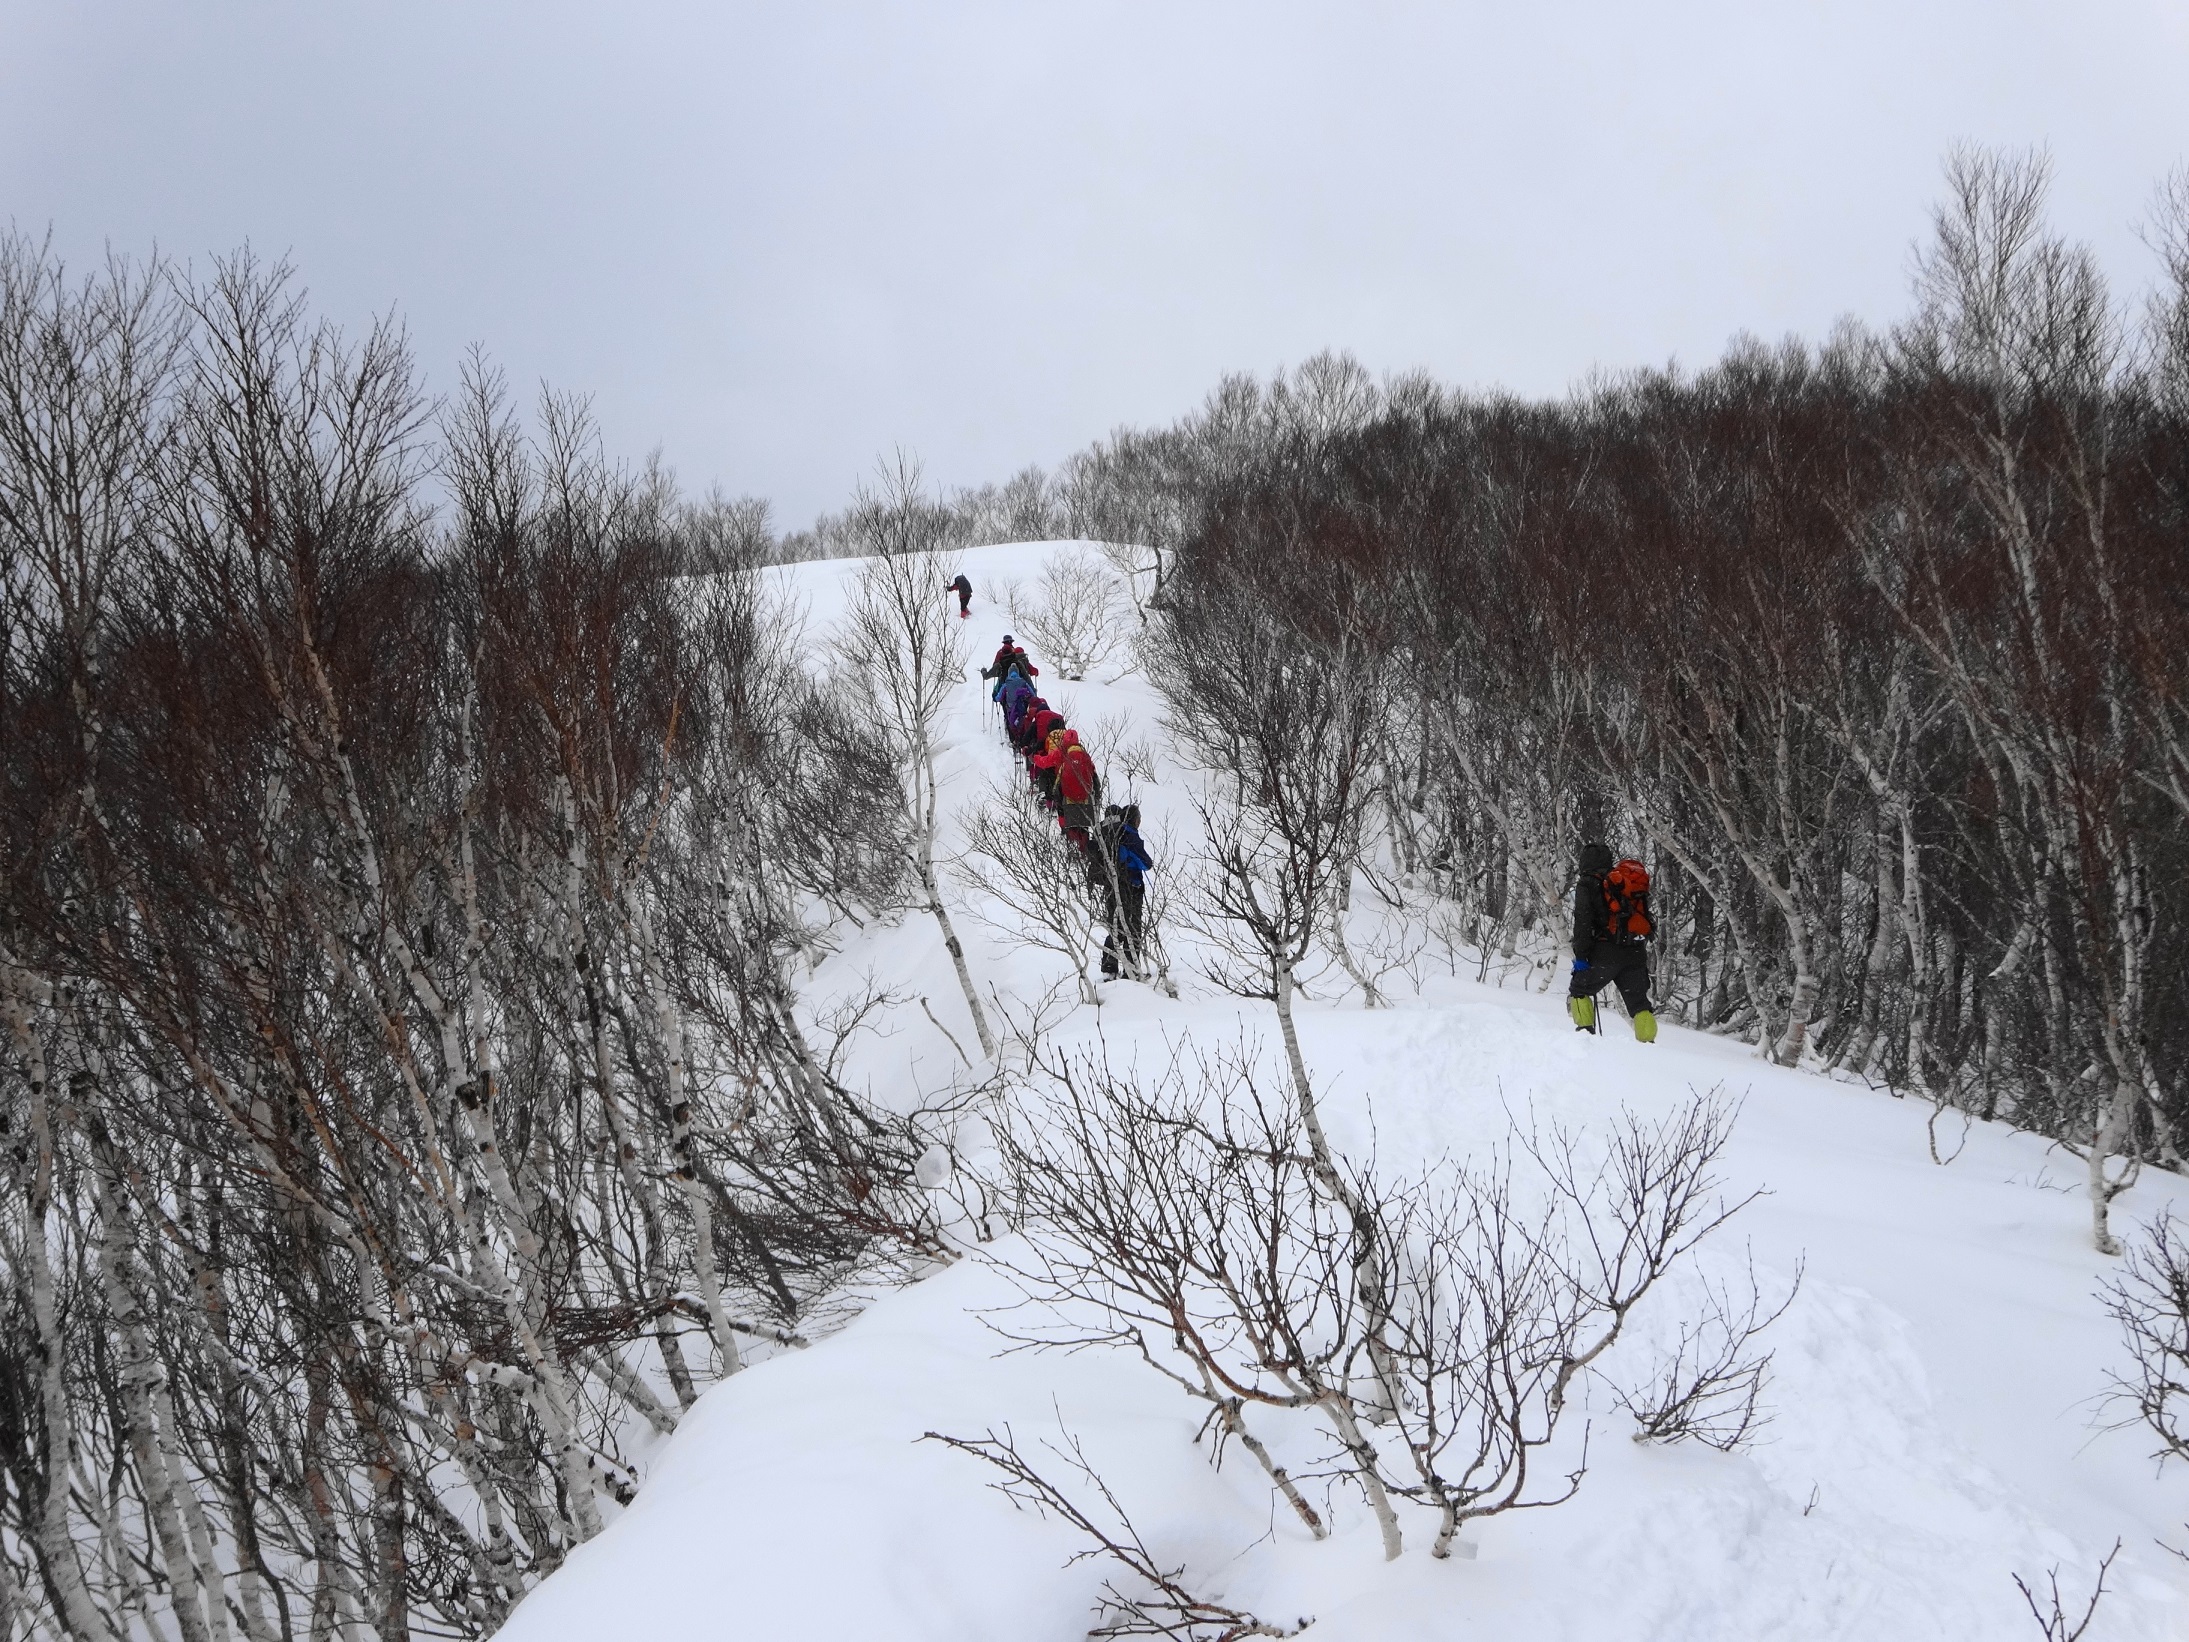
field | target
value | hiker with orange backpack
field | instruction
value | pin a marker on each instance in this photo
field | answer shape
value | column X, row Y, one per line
column 1611, row 930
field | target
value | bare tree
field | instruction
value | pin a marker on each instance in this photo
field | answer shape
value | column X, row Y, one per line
column 1190, row 1222
column 908, row 658
column 1017, row 859
column 396, row 983
column 1074, row 614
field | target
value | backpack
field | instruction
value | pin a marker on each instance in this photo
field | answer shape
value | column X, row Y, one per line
column 1626, row 903
column 1077, row 780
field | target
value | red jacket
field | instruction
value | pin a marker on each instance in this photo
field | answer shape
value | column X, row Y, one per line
column 1053, row 751
column 1038, row 726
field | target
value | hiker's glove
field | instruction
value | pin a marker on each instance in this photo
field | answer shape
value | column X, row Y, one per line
column 1580, row 964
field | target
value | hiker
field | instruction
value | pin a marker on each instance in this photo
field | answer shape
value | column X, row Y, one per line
column 1008, row 656
column 964, row 591
column 1034, row 726
column 1116, row 872
column 1078, row 788
column 1033, row 736
column 1016, row 693
column 1102, row 874
column 1044, row 764
column 1611, row 930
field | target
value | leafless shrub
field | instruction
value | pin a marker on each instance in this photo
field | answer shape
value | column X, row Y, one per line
column 1433, row 1328
column 1157, row 1603
column 2149, row 1301
column 898, row 641
column 1122, row 753
column 2052, row 1618
column 1710, row 1389
column 1140, row 571
column 1074, row 614
column 1018, row 860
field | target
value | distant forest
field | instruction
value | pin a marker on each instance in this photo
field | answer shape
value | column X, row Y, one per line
column 414, row 826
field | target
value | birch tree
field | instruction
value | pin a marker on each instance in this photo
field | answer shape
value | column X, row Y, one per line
column 898, row 641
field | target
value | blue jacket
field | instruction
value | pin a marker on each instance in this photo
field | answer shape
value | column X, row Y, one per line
column 1132, row 856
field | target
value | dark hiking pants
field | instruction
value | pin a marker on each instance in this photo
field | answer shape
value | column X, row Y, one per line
column 1121, row 944
column 1614, row 963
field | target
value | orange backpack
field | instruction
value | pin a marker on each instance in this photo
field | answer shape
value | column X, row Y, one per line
column 1626, row 902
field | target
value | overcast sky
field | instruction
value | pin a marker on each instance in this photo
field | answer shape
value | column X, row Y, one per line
column 778, row 241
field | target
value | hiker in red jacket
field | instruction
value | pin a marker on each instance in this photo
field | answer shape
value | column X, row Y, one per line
column 1034, row 726
column 1045, row 765
column 1078, row 789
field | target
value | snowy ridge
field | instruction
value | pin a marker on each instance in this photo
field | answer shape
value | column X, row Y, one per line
column 1935, row 1425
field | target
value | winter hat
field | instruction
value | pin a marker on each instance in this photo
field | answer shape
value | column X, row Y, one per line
column 1132, row 816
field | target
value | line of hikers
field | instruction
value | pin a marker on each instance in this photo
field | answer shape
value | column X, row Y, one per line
column 1611, row 919
column 1063, row 773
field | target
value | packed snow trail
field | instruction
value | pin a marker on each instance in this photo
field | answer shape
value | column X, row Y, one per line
column 1935, row 1424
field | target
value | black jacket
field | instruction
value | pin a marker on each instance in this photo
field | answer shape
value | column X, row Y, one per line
column 1588, row 900
column 1132, row 856
column 1004, row 658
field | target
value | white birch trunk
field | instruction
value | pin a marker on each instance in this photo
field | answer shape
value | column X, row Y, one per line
column 924, row 776
column 669, row 1027
column 1370, row 1278
column 141, row 1380
column 56, row 1544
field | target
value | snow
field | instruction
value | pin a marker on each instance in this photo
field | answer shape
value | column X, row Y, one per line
column 1936, row 1424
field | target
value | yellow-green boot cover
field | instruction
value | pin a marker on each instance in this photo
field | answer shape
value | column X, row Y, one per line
column 1583, row 1011
column 1645, row 1027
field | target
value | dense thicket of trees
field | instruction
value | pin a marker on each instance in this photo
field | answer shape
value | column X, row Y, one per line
column 405, row 1109
column 1875, row 650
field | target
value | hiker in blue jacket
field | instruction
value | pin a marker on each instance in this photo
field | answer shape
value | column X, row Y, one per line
column 1120, row 865
column 1017, row 693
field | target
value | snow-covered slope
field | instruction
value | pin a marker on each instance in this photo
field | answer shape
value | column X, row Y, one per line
column 1935, row 1426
